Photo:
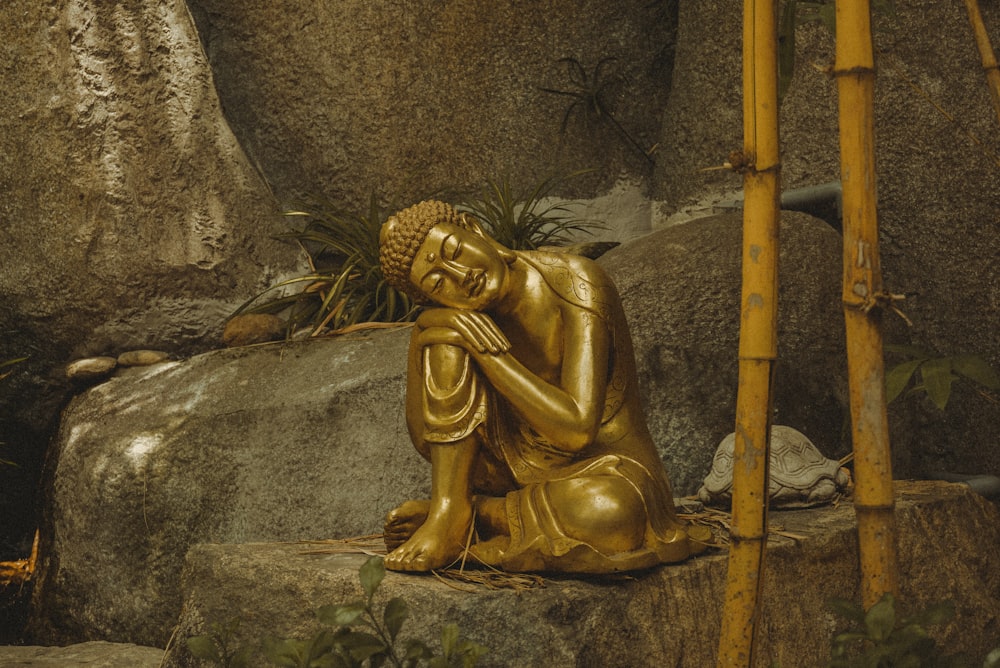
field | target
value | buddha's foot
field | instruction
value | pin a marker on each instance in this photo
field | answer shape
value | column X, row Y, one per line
column 403, row 522
column 436, row 543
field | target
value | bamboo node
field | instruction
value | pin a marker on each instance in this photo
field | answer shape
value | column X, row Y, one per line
column 883, row 300
column 739, row 161
column 858, row 71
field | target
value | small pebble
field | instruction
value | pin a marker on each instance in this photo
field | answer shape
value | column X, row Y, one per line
column 142, row 357
column 251, row 328
column 91, row 368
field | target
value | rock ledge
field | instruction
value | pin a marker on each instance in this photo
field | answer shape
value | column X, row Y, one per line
column 666, row 616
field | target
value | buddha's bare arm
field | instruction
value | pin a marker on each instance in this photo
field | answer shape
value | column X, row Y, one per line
column 567, row 414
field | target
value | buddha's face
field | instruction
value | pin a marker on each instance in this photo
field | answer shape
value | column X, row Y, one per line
column 459, row 268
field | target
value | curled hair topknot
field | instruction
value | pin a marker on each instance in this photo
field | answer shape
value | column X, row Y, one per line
column 401, row 238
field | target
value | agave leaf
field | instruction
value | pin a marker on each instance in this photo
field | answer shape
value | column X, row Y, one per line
column 291, row 281
column 9, row 362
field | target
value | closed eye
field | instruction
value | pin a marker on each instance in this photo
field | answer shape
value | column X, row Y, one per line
column 432, row 282
column 451, row 247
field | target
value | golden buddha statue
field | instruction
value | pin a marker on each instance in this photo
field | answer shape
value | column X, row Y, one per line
column 521, row 392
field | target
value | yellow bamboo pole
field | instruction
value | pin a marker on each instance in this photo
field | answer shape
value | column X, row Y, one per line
column 758, row 346
column 862, row 292
column 986, row 55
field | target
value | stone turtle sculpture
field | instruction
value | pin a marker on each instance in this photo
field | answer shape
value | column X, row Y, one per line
column 800, row 475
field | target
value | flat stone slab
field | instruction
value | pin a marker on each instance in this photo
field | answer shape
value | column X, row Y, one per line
column 948, row 549
column 96, row 654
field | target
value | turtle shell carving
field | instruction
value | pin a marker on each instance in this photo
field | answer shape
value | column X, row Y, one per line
column 800, row 475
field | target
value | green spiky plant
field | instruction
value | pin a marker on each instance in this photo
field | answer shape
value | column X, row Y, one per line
column 527, row 219
column 345, row 285
column 588, row 92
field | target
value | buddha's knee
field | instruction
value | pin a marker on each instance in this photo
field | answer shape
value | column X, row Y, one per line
column 446, row 367
column 606, row 512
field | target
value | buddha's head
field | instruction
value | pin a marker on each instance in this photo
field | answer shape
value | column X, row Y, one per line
column 436, row 254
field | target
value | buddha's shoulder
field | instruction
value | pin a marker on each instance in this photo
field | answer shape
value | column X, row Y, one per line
column 567, row 262
column 577, row 279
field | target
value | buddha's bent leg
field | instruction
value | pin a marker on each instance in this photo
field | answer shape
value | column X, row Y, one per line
column 432, row 533
column 606, row 512
column 441, row 536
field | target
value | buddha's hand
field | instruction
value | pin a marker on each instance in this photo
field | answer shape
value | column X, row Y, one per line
column 472, row 330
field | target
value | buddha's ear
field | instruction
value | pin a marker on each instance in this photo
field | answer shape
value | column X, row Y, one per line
column 470, row 223
column 388, row 227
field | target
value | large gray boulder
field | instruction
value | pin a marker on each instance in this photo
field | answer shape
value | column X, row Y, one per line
column 667, row 616
column 273, row 442
column 307, row 440
column 130, row 217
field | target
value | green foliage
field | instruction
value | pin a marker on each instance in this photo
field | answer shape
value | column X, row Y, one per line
column 523, row 220
column 217, row 647
column 589, row 93
column 883, row 639
column 345, row 285
column 936, row 374
column 358, row 637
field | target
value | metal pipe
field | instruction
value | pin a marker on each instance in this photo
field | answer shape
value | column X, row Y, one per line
column 823, row 201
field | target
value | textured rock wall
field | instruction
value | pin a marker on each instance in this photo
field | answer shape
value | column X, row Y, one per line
column 129, row 216
column 406, row 98
column 680, row 287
